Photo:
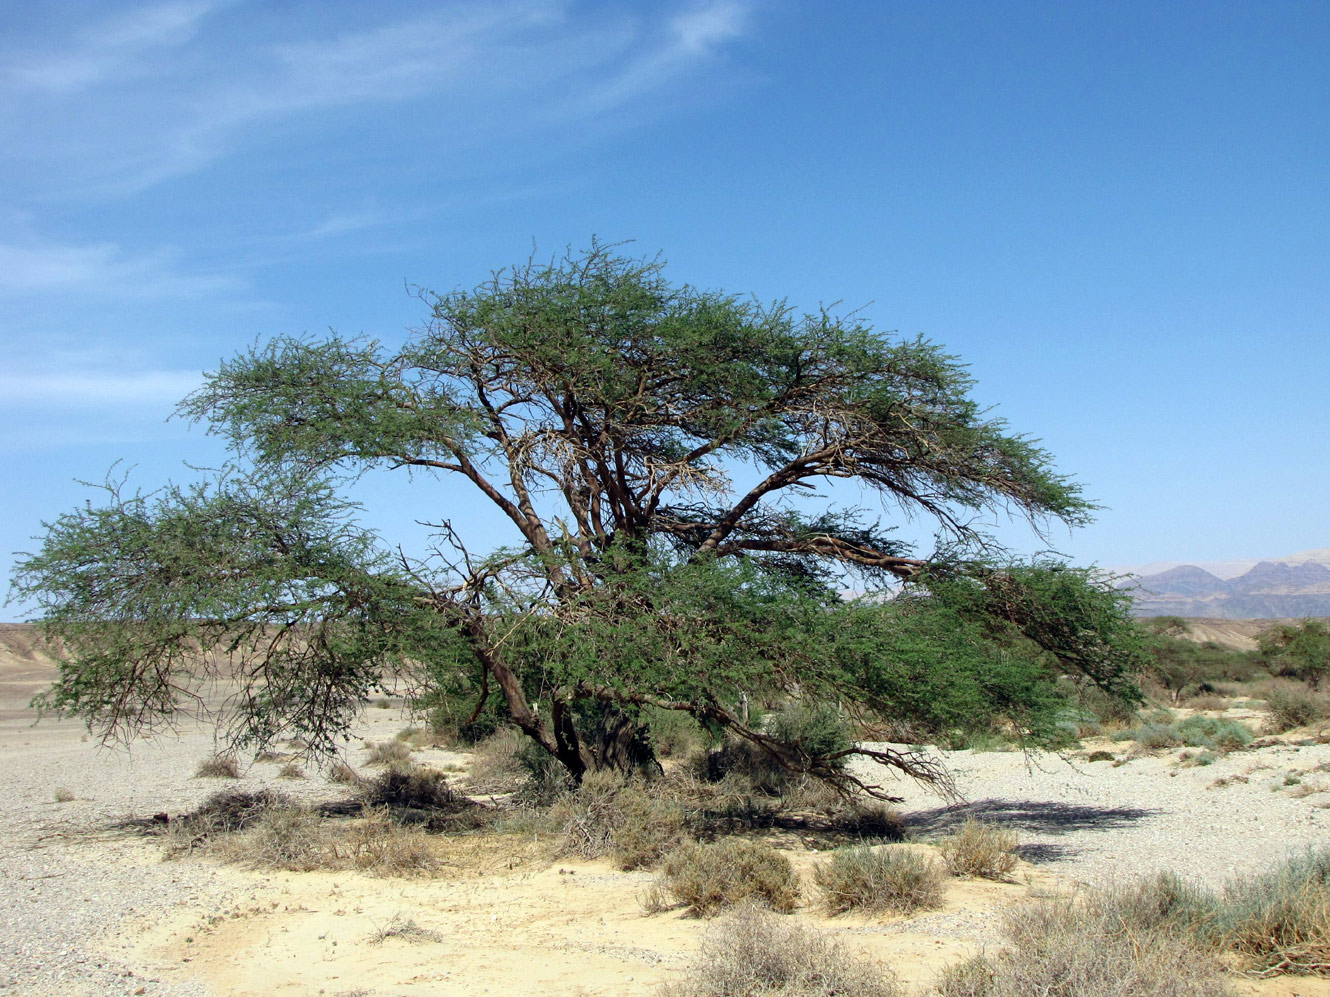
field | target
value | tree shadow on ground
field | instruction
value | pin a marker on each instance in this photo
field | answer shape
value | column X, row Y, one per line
column 1045, row 817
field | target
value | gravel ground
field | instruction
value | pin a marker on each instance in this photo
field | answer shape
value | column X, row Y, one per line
column 75, row 880
column 77, row 877
column 1096, row 822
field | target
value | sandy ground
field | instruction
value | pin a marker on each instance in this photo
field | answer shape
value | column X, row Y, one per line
column 93, row 909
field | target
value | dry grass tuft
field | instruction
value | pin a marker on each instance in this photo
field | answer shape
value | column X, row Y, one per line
column 410, row 786
column 387, row 752
column 63, row 794
column 889, row 877
column 380, row 846
column 981, row 850
column 1088, row 947
column 706, row 878
column 754, row 952
column 343, row 774
column 608, row 816
column 403, row 927
column 291, row 771
column 218, row 767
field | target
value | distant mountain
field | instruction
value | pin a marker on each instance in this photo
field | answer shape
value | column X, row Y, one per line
column 1267, row 590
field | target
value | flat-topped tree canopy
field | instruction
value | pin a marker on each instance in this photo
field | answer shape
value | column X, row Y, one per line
column 653, row 446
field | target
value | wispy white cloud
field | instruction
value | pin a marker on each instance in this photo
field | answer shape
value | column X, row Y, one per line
column 147, row 96
column 101, row 271
column 116, row 47
column 91, row 389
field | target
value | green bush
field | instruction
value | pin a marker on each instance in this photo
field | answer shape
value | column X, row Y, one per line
column 705, row 878
column 817, row 729
column 1295, row 707
column 1200, row 731
column 889, row 877
column 754, row 952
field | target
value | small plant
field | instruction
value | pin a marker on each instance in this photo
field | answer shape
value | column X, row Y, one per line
column 291, row 771
column 706, row 878
column 890, row 877
column 1291, row 706
column 218, row 767
column 979, row 849
column 405, row 928
column 1086, row 947
column 1199, row 731
column 608, row 816
column 284, row 837
column 380, row 846
column 754, row 952
column 1099, row 756
column 410, row 786
column 63, row 794
column 387, row 752
column 343, row 774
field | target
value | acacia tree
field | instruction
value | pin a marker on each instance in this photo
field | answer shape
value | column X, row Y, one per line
column 654, row 448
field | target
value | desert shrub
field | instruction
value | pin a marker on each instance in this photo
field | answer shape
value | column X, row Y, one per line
column 379, row 845
column 1156, row 735
column 1207, row 701
column 1198, row 731
column 743, row 767
column 705, row 878
column 673, row 732
column 218, row 767
column 1280, row 920
column 402, row 927
column 884, row 878
column 63, row 794
column 608, row 816
column 755, row 952
column 409, row 785
column 973, row 977
column 510, row 762
column 1085, row 948
column 1291, row 706
column 230, row 811
column 284, row 837
column 343, row 774
column 1213, row 732
column 291, row 771
column 817, row 729
column 387, row 752
column 1099, row 756
column 979, row 849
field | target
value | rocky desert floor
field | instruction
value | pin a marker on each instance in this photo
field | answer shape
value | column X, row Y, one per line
column 88, row 905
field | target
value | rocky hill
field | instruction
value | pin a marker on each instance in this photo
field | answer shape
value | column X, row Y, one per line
column 1267, row 590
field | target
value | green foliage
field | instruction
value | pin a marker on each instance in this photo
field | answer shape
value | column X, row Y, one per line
column 645, row 441
column 1197, row 731
column 1301, row 650
column 815, row 729
column 1180, row 664
column 1294, row 707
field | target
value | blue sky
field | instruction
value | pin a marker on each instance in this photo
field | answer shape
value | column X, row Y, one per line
column 1116, row 213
